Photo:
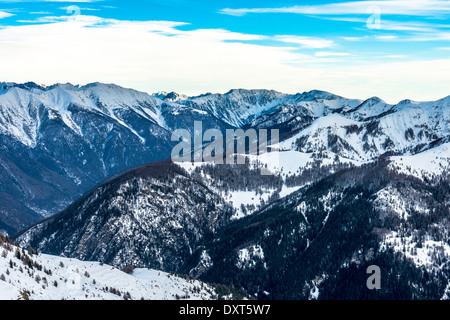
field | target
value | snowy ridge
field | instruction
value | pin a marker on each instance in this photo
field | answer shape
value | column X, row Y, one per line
column 423, row 255
column 20, row 107
column 355, row 129
column 412, row 125
column 283, row 164
column 238, row 107
column 47, row 277
column 428, row 164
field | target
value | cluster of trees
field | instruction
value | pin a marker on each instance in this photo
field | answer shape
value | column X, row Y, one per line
column 238, row 177
column 316, row 172
column 29, row 265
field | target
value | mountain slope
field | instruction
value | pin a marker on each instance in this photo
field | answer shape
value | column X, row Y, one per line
column 153, row 216
column 319, row 241
column 45, row 277
column 58, row 142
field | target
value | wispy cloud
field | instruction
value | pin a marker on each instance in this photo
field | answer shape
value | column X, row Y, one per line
column 41, row 12
column 5, row 14
column 391, row 25
column 306, row 42
column 388, row 7
column 158, row 55
column 387, row 38
column 81, row 8
column 331, row 54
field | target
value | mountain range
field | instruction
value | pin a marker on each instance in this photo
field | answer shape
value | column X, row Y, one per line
column 356, row 183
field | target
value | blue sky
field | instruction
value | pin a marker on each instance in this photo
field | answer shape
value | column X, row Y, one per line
column 393, row 49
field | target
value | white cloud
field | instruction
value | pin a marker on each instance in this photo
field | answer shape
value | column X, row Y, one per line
column 391, row 7
column 5, row 14
column 80, row 8
column 331, row 54
column 307, row 42
column 387, row 37
column 353, row 39
column 157, row 56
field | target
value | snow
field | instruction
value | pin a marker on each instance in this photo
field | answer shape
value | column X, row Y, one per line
column 390, row 199
column 246, row 198
column 284, row 161
column 75, row 281
column 421, row 256
column 237, row 107
column 286, row 191
column 371, row 108
column 8, row 291
column 206, row 260
column 427, row 164
column 333, row 121
column 248, row 257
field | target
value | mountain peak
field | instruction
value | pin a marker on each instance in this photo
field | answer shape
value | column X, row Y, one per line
column 64, row 86
column 170, row 96
column 317, row 94
column 374, row 99
column 28, row 86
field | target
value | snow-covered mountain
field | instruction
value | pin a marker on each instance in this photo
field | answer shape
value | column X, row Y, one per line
column 25, row 274
column 58, row 142
column 318, row 242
